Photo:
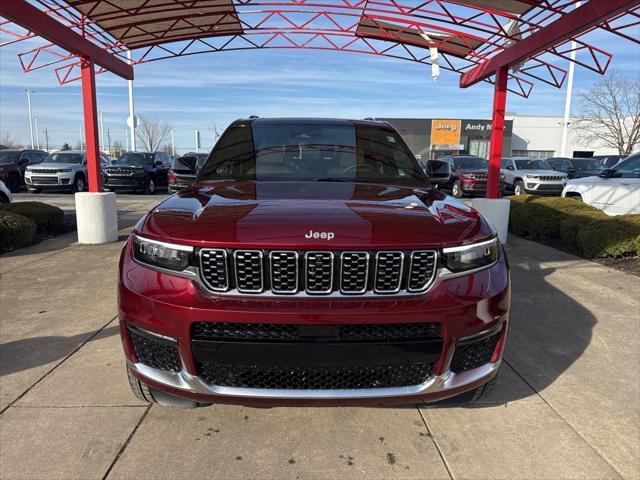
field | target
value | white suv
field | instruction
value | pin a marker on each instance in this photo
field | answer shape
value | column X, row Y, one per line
column 615, row 191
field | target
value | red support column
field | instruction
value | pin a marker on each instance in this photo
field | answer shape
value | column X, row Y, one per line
column 497, row 132
column 91, row 124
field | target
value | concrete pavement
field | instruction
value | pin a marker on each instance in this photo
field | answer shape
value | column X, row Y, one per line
column 566, row 404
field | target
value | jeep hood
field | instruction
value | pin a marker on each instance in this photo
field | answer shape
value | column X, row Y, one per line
column 286, row 214
column 542, row 172
column 54, row 165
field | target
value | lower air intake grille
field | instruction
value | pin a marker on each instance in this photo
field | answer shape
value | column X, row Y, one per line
column 389, row 332
column 314, row 378
column 155, row 353
column 473, row 354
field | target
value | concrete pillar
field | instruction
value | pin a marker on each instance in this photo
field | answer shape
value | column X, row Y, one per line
column 97, row 217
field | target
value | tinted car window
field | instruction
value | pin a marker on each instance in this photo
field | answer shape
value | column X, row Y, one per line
column 629, row 168
column 312, row 152
column 533, row 164
column 470, row 162
column 587, row 164
column 9, row 156
column 65, row 157
column 134, row 158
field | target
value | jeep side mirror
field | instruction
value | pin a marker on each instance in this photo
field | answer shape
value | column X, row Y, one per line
column 509, row 167
column 606, row 173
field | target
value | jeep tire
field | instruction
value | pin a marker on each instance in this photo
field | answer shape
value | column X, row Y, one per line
column 78, row 184
column 456, row 189
column 149, row 187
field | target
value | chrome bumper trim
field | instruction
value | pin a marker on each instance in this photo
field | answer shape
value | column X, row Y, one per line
column 185, row 381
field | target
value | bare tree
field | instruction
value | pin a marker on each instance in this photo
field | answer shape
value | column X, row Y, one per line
column 152, row 133
column 610, row 113
column 7, row 140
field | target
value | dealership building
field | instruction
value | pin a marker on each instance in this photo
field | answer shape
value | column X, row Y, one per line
column 529, row 136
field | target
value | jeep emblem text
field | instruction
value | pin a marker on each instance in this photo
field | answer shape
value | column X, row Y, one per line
column 322, row 235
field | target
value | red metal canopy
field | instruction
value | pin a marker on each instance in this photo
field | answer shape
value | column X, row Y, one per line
column 513, row 43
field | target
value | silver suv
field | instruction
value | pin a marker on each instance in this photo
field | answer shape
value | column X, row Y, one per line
column 531, row 175
column 62, row 170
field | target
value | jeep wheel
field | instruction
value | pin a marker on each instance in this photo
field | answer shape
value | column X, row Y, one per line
column 456, row 190
column 148, row 395
column 150, row 187
column 13, row 183
column 78, row 184
column 518, row 188
column 33, row 190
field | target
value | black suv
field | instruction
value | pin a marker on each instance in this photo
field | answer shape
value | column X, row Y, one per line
column 13, row 163
column 577, row 167
column 135, row 171
column 184, row 170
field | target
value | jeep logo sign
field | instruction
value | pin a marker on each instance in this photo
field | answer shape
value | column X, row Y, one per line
column 320, row 235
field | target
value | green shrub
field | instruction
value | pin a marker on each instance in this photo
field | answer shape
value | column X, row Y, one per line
column 609, row 237
column 548, row 214
column 518, row 200
column 569, row 226
column 48, row 219
column 16, row 231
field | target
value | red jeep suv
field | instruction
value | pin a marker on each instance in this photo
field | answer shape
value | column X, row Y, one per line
column 311, row 263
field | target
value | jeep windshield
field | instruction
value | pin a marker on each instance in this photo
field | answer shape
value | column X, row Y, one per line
column 64, row 157
column 587, row 165
column 534, row 164
column 470, row 163
column 312, row 152
column 135, row 160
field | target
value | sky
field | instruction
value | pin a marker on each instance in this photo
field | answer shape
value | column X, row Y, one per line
column 210, row 90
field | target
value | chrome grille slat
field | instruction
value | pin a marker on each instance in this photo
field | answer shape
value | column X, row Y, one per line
column 322, row 272
column 422, row 269
column 248, row 268
column 214, row 269
column 284, row 271
column 354, row 272
column 318, row 271
column 389, row 266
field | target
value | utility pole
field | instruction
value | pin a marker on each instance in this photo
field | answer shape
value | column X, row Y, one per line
column 197, row 141
column 132, row 117
column 173, row 144
column 35, row 119
column 46, row 138
column 126, row 139
column 29, row 92
column 108, row 142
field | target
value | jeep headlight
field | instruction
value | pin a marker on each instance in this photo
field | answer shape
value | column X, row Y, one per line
column 533, row 177
column 161, row 254
column 64, row 170
column 470, row 257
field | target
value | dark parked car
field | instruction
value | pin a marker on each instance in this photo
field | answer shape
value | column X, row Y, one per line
column 13, row 164
column 576, row 167
column 184, row 170
column 608, row 161
column 135, row 171
column 312, row 263
column 469, row 175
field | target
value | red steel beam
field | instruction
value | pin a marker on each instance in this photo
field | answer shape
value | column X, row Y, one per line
column 497, row 132
column 41, row 24
column 567, row 26
column 91, row 124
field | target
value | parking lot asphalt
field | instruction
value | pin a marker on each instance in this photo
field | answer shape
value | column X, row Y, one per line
column 566, row 405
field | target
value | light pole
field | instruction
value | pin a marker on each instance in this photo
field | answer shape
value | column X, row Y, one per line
column 35, row 120
column 173, row 144
column 101, row 130
column 132, row 118
column 567, row 100
column 81, row 138
column 29, row 92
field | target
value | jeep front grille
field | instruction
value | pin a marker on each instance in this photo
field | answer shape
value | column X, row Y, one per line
column 289, row 272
